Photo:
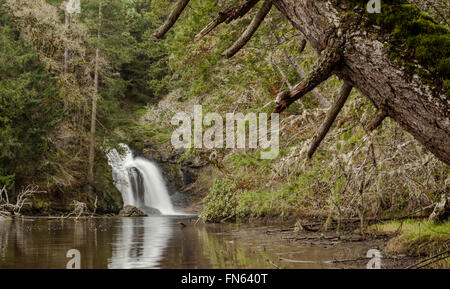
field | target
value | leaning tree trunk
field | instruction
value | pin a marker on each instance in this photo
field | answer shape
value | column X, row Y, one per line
column 366, row 64
column 358, row 56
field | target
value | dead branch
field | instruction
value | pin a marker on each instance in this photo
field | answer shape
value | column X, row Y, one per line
column 78, row 209
column 7, row 208
column 283, row 75
column 377, row 120
column 227, row 16
column 4, row 192
column 170, row 21
column 342, row 97
column 322, row 70
column 273, row 264
column 95, row 206
column 251, row 29
column 302, row 46
column 323, row 101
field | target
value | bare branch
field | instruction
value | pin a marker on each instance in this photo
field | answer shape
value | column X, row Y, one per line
column 251, row 29
column 342, row 96
column 242, row 10
column 285, row 78
column 170, row 21
column 7, row 208
column 323, row 101
column 79, row 208
column 321, row 71
column 302, row 46
column 377, row 120
column 227, row 16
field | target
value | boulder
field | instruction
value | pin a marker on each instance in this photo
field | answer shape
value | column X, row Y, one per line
column 151, row 211
column 131, row 211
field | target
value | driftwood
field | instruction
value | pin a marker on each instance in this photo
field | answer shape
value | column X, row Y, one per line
column 7, row 208
column 79, row 209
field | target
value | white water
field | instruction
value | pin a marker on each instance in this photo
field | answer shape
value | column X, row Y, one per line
column 139, row 181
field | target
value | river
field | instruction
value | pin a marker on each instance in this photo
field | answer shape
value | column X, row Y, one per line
column 158, row 242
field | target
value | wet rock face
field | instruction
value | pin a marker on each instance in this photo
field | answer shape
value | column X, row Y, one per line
column 178, row 174
column 131, row 211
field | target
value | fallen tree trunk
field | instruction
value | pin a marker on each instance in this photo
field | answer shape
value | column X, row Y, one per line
column 366, row 64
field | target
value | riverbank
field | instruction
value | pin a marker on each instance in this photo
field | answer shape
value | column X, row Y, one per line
column 416, row 237
column 402, row 243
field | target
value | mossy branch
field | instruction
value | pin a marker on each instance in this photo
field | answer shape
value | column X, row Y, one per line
column 170, row 21
column 377, row 120
column 251, row 29
column 341, row 98
column 322, row 70
column 227, row 16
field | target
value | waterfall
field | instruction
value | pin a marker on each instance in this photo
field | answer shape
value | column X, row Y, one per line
column 140, row 181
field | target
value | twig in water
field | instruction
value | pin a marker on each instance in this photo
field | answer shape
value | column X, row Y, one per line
column 273, row 264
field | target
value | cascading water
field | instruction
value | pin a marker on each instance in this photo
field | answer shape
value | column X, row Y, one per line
column 139, row 181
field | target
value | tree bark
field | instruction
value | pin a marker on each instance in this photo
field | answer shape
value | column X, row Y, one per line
column 94, row 107
column 322, row 70
column 377, row 120
column 66, row 50
column 367, row 65
column 227, row 16
column 173, row 17
column 333, row 112
column 251, row 29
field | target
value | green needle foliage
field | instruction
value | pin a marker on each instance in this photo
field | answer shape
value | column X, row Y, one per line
column 30, row 105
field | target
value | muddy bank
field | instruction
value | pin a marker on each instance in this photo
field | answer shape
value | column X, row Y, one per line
column 402, row 243
column 355, row 244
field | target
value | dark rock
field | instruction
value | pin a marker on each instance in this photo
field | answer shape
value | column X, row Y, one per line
column 131, row 211
column 151, row 211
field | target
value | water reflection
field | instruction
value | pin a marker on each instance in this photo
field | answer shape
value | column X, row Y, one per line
column 157, row 242
column 140, row 242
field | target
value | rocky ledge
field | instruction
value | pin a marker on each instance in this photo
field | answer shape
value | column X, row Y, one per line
column 131, row 211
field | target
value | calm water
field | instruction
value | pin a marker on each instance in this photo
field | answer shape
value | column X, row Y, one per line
column 154, row 242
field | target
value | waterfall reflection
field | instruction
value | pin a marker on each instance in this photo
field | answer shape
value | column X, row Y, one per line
column 140, row 242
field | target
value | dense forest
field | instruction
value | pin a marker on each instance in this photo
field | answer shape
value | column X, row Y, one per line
column 364, row 107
